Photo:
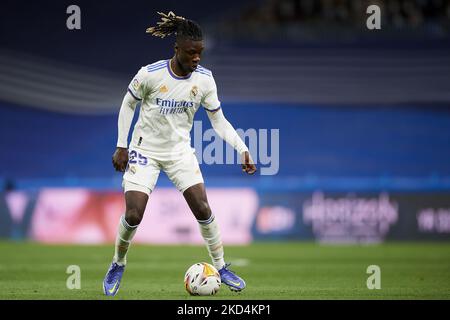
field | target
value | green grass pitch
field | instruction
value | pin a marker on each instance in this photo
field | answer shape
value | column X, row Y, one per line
column 275, row 270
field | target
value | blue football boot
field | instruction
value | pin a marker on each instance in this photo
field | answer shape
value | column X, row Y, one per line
column 111, row 283
column 228, row 277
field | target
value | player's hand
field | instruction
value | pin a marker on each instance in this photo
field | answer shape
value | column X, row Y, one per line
column 120, row 159
column 247, row 163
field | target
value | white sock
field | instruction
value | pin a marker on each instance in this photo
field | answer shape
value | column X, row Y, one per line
column 211, row 234
column 125, row 234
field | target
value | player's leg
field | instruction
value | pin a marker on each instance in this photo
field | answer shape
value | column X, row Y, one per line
column 209, row 228
column 187, row 177
column 136, row 202
column 198, row 203
column 138, row 182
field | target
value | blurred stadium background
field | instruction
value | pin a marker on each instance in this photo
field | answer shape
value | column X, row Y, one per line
column 363, row 119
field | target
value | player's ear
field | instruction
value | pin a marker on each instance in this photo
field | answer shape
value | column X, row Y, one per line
column 175, row 47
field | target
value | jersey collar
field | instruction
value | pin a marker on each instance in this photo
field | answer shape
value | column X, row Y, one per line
column 169, row 68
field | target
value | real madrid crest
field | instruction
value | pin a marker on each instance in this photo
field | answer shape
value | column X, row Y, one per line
column 194, row 91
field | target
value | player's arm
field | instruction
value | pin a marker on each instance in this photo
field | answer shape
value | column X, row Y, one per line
column 226, row 131
column 126, row 113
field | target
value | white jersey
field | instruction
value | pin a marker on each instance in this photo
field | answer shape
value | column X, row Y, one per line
column 168, row 105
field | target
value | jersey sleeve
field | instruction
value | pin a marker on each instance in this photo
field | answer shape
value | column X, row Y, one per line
column 139, row 85
column 210, row 100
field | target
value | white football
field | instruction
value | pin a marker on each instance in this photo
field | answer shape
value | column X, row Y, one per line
column 202, row 279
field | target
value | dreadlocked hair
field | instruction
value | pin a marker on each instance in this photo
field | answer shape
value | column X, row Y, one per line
column 171, row 23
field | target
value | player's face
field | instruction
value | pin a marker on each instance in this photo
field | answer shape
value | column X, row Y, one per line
column 188, row 54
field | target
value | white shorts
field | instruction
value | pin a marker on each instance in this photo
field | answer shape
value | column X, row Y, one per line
column 143, row 171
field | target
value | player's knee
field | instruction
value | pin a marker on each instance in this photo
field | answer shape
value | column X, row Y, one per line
column 133, row 216
column 203, row 210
